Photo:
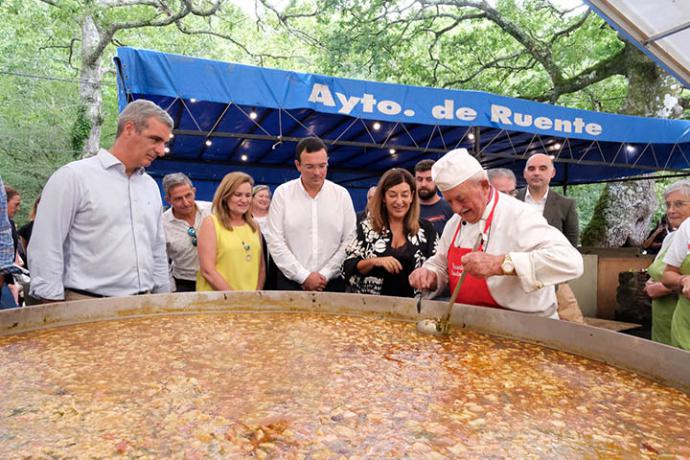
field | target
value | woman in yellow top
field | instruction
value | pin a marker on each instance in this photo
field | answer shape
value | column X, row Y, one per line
column 229, row 243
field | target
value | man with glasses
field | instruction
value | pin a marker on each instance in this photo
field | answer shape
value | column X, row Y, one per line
column 98, row 230
column 310, row 223
column 503, row 180
column 559, row 212
column 181, row 223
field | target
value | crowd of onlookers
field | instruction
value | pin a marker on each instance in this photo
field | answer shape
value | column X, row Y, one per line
column 101, row 230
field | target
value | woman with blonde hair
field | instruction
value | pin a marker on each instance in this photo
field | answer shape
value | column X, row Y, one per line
column 229, row 240
column 392, row 241
column 261, row 201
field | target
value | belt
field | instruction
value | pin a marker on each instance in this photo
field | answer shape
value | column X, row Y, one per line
column 100, row 296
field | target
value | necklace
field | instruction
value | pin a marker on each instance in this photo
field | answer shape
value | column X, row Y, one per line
column 247, row 255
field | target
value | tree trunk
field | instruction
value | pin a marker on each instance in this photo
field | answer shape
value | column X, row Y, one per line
column 90, row 85
column 624, row 210
column 651, row 92
column 622, row 215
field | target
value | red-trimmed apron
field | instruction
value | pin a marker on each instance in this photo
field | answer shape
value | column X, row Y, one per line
column 474, row 291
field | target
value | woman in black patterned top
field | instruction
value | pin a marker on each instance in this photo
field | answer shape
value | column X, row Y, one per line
column 391, row 242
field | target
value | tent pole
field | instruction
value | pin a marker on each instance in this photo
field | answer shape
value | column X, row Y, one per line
column 477, row 142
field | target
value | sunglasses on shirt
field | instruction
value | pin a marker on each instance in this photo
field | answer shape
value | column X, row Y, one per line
column 191, row 231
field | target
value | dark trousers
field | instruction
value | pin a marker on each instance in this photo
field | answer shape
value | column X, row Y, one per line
column 185, row 285
column 336, row 284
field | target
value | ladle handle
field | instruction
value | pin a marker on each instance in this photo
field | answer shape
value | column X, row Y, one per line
column 456, row 291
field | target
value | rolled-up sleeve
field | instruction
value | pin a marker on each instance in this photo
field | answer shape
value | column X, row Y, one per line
column 543, row 255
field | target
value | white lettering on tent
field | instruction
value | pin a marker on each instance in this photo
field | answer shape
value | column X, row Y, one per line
column 522, row 119
column 500, row 114
column 466, row 114
column 565, row 126
column 543, row 123
column 368, row 102
column 445, row 111
column 348, row 103
column 389, row 107
column 505, row 116
column 321, row 93
column 593, row 129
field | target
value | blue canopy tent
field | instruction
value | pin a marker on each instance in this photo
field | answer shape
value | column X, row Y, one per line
column 230, row 116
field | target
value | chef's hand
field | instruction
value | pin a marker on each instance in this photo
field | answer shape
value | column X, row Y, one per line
column 423, row 279
column 315, row 282
column 655, row 289
column 482, row 265
column 390, row 264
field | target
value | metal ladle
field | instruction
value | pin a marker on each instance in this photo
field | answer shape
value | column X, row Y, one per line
column 442, row 327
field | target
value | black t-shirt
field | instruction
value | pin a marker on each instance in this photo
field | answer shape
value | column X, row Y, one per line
column 437, row 213
column 25, row 231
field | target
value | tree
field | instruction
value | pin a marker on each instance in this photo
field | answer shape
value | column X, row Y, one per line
column 525, row 49
column 100, row 21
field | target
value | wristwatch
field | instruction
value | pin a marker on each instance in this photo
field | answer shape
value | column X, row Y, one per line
column 507, row 265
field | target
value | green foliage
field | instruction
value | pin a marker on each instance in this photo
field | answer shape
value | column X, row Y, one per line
column 43, row 123
column 80, row 130
column 596, row 228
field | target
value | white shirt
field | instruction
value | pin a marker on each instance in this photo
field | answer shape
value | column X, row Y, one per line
column 178, row 242
column 263, row 223
column 98, row 230
column 679, row 246
column 542, row 256
column 308, row 234
column 538, row 205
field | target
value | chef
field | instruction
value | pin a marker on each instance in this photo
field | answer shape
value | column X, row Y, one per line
column 520, row 257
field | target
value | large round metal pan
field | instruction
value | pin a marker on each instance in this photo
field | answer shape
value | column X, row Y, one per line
column 659, row 362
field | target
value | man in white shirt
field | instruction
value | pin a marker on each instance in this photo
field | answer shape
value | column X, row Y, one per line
column 520, row 256
column 310, row 223
column 98, row 230
column 181, row 223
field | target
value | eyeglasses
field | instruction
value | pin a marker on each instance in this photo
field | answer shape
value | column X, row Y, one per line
column 191, row 231
column 676, row 204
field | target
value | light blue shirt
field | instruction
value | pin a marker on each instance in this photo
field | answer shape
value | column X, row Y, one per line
column 98, row 230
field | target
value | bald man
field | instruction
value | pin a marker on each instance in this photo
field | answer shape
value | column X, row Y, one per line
column 559, row 212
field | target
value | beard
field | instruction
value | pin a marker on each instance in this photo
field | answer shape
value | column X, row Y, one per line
column 425, row 193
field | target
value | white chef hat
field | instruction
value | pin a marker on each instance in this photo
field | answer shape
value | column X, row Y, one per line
column 454, row 168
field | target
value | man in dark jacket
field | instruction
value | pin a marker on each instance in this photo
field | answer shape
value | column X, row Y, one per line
column 559, row 212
